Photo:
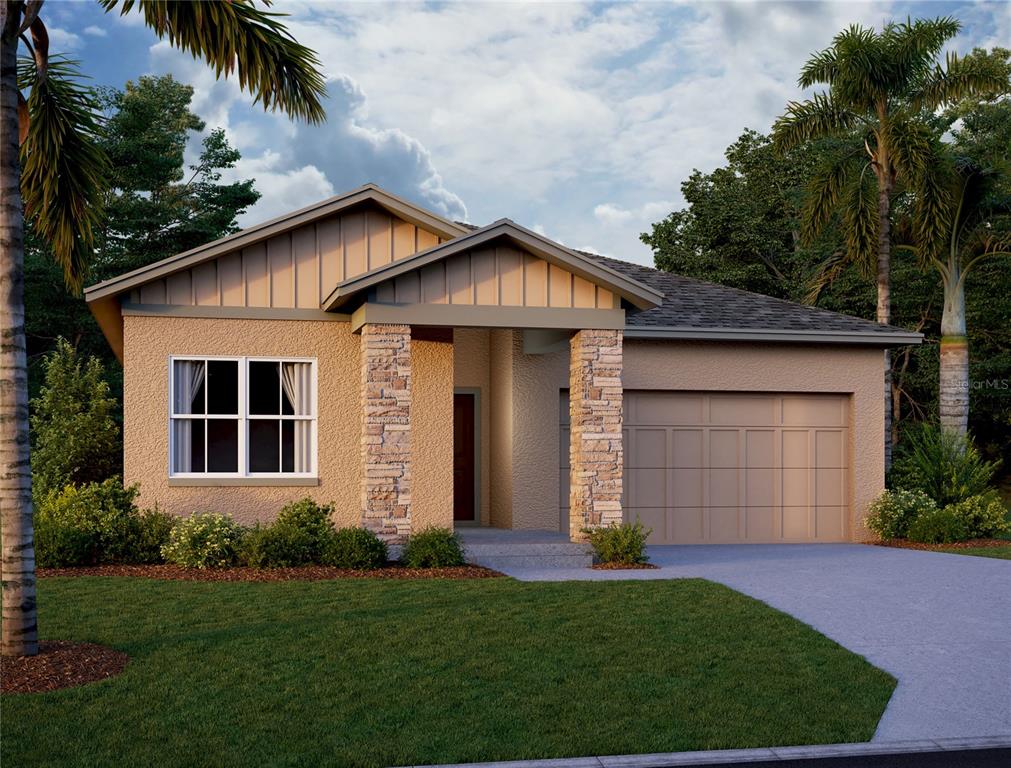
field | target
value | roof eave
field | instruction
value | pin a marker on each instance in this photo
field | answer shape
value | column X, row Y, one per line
column 777, row 335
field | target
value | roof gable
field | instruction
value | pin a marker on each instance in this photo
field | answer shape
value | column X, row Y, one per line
column 577, row 277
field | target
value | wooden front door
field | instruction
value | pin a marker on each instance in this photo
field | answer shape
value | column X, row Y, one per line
column 464, row 494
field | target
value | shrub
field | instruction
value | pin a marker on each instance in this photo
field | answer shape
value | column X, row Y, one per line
column 433, row 548
column 985, row 516
column 154, row 528
column 300, row 536
column 890, row 515
column 208, row 540
column 619, row 542
column 88, row 525
column 945, row 466
column 939, row 526
column 355, row 548
column 75, row 439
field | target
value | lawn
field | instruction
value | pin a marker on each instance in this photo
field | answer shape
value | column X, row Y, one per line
column 376, row 672
column 1003, row 553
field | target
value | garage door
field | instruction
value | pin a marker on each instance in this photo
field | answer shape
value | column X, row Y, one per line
column 705, row 467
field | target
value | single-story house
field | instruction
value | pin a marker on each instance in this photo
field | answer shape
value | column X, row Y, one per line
column 418, row 371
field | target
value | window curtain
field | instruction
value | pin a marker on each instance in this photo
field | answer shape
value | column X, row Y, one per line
column 297, row 384
column 189, row 375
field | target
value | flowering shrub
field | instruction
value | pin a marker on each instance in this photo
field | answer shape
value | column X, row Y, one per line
column 939, row 526
column 891, row 514
column 208, row 540
column 984, row 515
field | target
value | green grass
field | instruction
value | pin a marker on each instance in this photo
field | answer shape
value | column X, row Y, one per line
column 376, row 673
column 1002, row 553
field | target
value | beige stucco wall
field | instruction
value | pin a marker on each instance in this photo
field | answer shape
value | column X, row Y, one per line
column 150, row 341
column 537, row 380
column 501, row 356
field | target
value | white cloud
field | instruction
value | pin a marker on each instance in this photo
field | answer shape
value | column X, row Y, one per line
column 61, row 40
column 284, row 189
column 581, row 118
column 94, row 31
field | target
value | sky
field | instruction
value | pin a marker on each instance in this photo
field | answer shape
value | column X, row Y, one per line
column 578, row 120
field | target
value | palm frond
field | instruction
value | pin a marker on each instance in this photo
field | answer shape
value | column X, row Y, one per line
column 63, row 170
column 824, row 274
column 962, row 77
column 805, row 120
column 936, row 209
column 822, row 67
column 823, row 193
column 911, row 144
column 913, row 46
column 860, row 217
column 279, row 72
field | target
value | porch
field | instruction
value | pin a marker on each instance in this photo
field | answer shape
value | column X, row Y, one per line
column 502, row 549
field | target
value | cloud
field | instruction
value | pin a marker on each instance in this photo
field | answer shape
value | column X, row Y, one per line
column 283, row 189
column 94, row 31
column 614, row 215
column 60, row 40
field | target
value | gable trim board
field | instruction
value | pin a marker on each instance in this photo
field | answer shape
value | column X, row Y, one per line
column 471, row 316
column 632, row 291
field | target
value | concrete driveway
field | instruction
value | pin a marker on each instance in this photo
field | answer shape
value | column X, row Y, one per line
column 941, row 624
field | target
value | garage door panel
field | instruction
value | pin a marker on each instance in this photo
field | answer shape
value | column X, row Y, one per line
column 723, row 487
column 759, row 487
column 659, row 408
column 796, row 487
column 647, row 447
column 759, row 448
column 724, row 448
column 688, row 487
column 830, row 448
column 687, row 525
column 796, row 451
column 688, row 448
column 724, row 524
column 830, row 487
column 647, row 487
column 743, row 410
column 797, row 523
column 761, row 523
column 830, row 523
column 814, row 411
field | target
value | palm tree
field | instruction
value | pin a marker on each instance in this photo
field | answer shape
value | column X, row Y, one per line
column 52, row 171
column 879, row 83
column 975, row 225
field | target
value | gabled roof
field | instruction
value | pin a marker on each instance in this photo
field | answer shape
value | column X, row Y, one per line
column 631, row 290
column 695, row 309
column 367, row 193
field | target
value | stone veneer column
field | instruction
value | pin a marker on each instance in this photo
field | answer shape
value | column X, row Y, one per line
column 596, row 454
column 386, row 429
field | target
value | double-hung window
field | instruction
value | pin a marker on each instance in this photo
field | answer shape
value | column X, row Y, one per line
column 242, row 417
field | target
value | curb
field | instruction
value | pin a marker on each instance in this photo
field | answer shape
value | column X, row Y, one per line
column 710, row 757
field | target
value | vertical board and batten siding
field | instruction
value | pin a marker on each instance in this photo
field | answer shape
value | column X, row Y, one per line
column 495, row 276
column 296, row 269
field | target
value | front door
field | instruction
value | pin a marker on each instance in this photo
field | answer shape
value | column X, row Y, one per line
column 463, row 457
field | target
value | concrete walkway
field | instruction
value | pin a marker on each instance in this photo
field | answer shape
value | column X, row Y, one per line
column 940, row 623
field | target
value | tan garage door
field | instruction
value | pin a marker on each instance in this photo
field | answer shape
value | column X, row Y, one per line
column 705, row 467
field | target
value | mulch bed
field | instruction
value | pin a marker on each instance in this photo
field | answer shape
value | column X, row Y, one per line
column 623, row 566
column 60, row 664
column 303, row 573
column 971, row 544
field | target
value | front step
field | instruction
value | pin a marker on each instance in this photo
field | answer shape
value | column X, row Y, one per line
column 506, row 555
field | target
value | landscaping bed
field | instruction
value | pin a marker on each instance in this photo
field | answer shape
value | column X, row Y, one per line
column 996, row 548
column 623, row 567
column 375, row 672
column 60, row 664
column 300, row 573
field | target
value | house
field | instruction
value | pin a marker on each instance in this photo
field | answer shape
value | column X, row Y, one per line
column 417, row 371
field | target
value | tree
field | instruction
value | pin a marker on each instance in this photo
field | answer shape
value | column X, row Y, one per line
column 154, row 206
column 75, row 440
column 879, row 84
column 59, row 174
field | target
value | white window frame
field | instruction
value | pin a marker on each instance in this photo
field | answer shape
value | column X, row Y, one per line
column 243, row 417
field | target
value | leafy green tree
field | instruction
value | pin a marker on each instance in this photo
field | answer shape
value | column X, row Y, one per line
column 879, row 83
column 75, row 439
column 154, row 207
column 53, row 172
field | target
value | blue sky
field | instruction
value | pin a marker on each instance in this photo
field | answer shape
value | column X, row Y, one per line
column 579, row 120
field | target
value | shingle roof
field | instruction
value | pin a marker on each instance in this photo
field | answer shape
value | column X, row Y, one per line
column 690, row 303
